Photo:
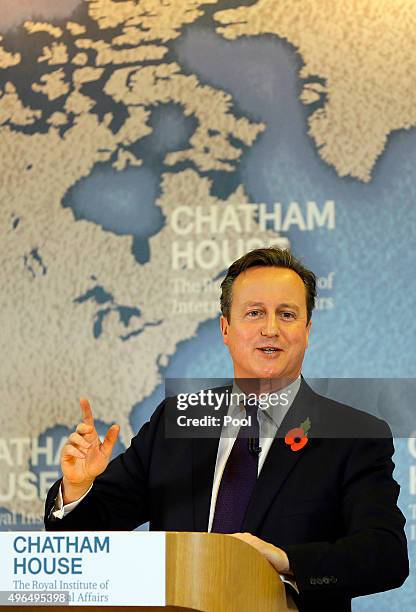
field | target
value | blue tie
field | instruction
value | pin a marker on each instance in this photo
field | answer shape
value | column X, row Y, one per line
column 238, row 479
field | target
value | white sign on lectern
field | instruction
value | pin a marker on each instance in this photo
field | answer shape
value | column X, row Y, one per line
column 83, row 568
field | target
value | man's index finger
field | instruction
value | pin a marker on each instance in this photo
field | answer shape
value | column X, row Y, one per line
column 87, row 416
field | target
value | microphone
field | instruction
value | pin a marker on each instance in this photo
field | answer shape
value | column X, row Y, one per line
column 253, row 446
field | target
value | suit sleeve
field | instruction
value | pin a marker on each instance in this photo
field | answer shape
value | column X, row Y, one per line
column 372, row 556
column 119, row 498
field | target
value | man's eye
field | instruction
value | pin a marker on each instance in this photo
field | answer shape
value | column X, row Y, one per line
column 253, row 313
column 288, row 315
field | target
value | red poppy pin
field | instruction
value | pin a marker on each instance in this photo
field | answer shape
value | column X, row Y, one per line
column 297, row 437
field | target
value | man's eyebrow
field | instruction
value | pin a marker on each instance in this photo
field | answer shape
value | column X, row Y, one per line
column 284, row 305
column 289, row 305
column 245, row 304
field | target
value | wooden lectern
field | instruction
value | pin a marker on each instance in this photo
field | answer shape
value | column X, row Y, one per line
column 218, row 573
column 208, row 573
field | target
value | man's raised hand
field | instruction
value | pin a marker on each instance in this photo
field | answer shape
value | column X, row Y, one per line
column 84, row 456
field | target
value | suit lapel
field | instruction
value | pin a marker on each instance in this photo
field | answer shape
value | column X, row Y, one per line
column 281, row 459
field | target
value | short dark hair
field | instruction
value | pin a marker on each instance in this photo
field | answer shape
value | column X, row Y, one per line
column 268, row 257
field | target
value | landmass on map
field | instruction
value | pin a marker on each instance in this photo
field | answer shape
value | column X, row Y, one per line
column 358, row 70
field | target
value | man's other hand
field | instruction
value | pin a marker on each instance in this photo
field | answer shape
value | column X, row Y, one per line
column 276, row 556
column 84, row 456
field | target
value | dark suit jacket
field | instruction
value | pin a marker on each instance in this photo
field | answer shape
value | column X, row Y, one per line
column 331, row 505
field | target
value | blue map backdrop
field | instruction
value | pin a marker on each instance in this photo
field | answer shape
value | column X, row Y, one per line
column 111, row 119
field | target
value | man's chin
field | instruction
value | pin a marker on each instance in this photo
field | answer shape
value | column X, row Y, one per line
column 272, row 373
column 276, row 377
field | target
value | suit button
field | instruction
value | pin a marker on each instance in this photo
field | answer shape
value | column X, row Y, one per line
column 325, row 579
column 319, row 580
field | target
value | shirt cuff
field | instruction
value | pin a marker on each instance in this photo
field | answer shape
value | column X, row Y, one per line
column 292, row 592
column 60, row 510
column 289, row 581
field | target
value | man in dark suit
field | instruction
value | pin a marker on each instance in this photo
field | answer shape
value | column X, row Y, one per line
column 318, row 502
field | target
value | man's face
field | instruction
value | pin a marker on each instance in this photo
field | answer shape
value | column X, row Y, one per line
column 267, row 334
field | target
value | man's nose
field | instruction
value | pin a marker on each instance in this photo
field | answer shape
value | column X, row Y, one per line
column 271, row 326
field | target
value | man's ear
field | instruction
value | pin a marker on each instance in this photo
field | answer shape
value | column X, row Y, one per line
column 224, row 328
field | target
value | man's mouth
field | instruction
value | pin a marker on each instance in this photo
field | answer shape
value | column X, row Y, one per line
column 269, row 350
